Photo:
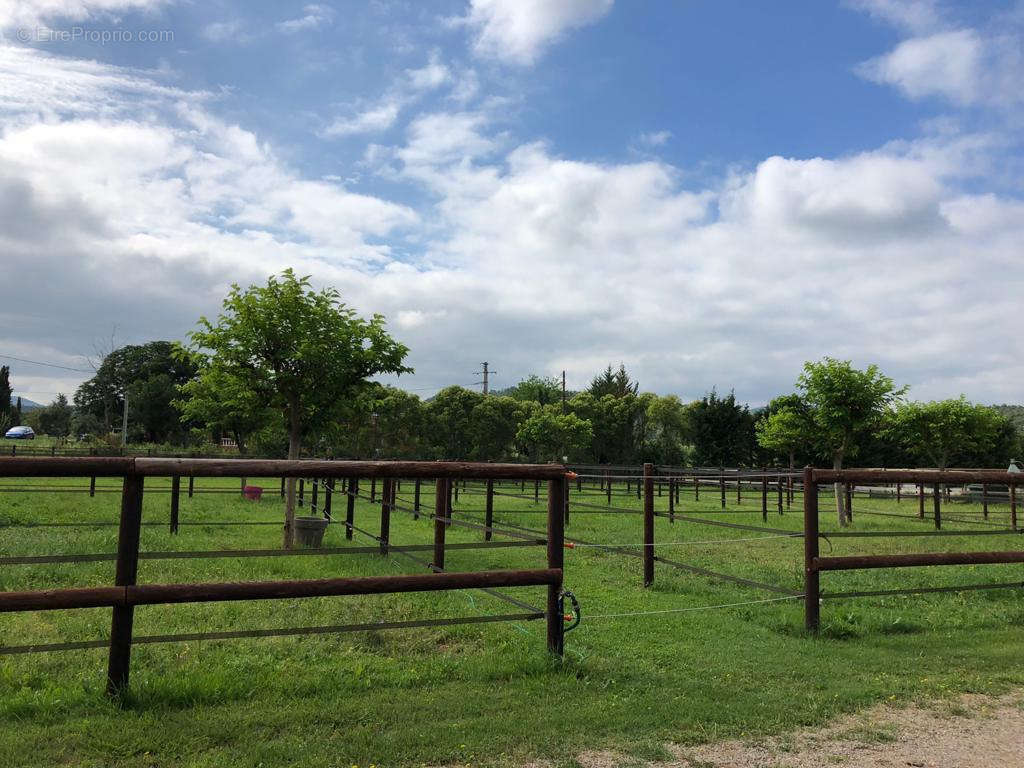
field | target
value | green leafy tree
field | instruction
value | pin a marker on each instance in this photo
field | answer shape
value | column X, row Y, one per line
column 619, row 425
column 222, row 403
column 723, row 431
column 538, row 389
column 299, row 351
column 493, row 424
column 845, row 406
column 784, row 428
column 55, row 418
column 668, row 427
column 451, row 418
column 944, row 432
column 549, row 434
column 151, row 375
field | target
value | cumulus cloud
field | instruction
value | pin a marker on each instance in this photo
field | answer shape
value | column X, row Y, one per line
column 518, row 31
column 965, row 65
column 131, row 202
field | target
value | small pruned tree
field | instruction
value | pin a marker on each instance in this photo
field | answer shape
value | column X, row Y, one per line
column 299, row 351
column 550, row 434
column 844, row 405
column 785, row 427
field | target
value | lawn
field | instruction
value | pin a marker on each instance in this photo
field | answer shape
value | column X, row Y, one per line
column 483, row 694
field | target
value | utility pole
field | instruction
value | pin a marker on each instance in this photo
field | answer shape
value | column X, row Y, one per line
column 486, row 374
column 563, row 393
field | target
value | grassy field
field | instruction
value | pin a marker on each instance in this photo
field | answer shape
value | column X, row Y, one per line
column 486, row 694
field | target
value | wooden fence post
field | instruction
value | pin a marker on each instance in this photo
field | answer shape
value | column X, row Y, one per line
column 739, row 487
column 1013, row 505
column 764, row 494
column 536, row 491
column 92, row 486
column 671, row 500
column 696, row 487
column 608, row 489
column 556, row 559
column 721, row 484
column 386, row 500
column 192, row 482
column 416, row 500
column 175, row 494
column 440, row 507
column 984, row 500
column 648, row 524
column 812, row 587
column 126, row 571
column 489, row 510
column 302, row 489
column 328, row 494
column 920, row 500
column 350, row 506
column 937, row 504
column 779, row 484
column 282, row 486
column 849, row 501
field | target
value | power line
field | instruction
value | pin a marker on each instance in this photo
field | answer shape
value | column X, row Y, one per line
column 48, row 365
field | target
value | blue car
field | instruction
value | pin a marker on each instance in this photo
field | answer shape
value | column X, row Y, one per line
column 20, row 433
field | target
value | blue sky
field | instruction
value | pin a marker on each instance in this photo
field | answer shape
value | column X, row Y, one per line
column 709, row 192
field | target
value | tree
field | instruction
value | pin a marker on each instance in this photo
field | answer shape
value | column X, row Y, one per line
column 668, row 426
column 150, row 374
column 493, row 424
column 550, row 434
column 784, row 427
column 301, row 352
column 845, row 405
column 723, row 431
column 616, row 384
column 6, row 394
column 221, row 403
column 55, row 419
column 450, row 412
column 539, row 389
column 946, row 431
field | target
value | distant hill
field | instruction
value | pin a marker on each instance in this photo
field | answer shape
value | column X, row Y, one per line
column 26, row 404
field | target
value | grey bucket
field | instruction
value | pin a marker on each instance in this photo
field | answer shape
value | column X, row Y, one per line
column 309, row 532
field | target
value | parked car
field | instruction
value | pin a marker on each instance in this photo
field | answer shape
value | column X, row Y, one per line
column 20, row 433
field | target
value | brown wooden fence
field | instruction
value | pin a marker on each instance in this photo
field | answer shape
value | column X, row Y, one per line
column 125, row 594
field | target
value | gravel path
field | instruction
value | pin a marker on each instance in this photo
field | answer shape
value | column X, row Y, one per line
column 970, row 732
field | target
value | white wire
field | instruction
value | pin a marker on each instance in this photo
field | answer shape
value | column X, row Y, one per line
column 588, row 617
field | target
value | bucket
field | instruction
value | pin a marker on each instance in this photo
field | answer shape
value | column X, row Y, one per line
column 309, row 532
column 252, row 492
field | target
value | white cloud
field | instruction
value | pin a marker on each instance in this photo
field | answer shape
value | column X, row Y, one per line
column 223, row 31
column 518, row 31
column 913, row 15
column 377, row 118
column 314, row 15
column 965, row 65
column 432, row 75
column 655, row 138
column 14, row 13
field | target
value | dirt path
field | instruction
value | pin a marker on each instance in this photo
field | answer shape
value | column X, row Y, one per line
column 970, row 732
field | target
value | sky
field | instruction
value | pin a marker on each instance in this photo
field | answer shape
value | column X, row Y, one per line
column 711, row 193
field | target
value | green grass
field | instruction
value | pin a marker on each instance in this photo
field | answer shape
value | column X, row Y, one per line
column 484, row 694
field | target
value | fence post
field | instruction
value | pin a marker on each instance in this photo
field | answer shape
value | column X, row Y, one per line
column 984, row 500
column 488, row 511
column 739, row 487
column 937, row 504
column 126, row 572
column 764, row 494
column 350, row 506
column 671, row 500
column 556, row 559
column 385, row 513
column 192, row 482
column 779, row 484
column 313, row 498
column 849, row 501
column 536, row 491
column 920, row 500
column 175, row 493
column 416, row 500
column 440, row 507
column 648, row 524
column 812, row 589
column 1013, row 505
column 282, row 486
column 302, row 489
column 899, row 492
column 721, row 484
column 608, row 489
column 328, row 494
column 92, row 486
column 373, row 489
column 696, row 487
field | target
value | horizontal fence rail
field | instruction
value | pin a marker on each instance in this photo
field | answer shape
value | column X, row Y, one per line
column 125, row 594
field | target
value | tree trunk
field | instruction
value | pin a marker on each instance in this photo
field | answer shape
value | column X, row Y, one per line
column 294, row 442
column 837, row 464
